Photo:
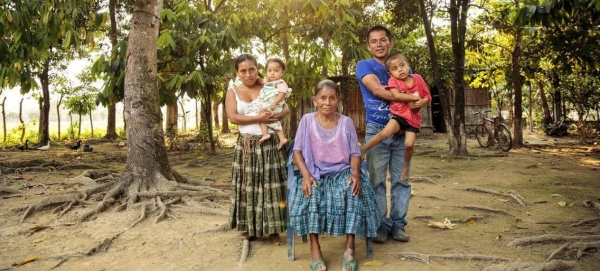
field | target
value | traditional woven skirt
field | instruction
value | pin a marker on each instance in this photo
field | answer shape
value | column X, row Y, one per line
column 332, row 208
column 259, row 183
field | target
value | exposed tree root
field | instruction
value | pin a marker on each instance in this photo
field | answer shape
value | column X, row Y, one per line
column 99, row 208
column 8, row 191
column 222, row 227
column 595, row 205
column 557, row 251
column 426, row 258
column 210, row 211
column 142, row 216
column 585, row 221
column 549, row 238
column 435, row 197
column 528, row 266
column 422, row 179
column 512, row 194
column 163, row 210
column 245, row 251
column 487, row 209
column 78, row 166
column 103, row 245
column 47, row 203
column 180, row 193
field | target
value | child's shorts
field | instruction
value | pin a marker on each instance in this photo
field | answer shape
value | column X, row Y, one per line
column 404, row 125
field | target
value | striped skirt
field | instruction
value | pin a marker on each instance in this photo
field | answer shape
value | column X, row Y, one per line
column 259, row 183
column 332, row 208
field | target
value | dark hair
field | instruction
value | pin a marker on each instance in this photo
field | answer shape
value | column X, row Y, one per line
column 274, row 59
column 327, row 83
column 388, row 34
column 393, row 57
column 245, row 57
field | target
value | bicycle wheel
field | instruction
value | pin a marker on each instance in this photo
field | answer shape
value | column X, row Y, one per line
column 504, row 137
column 483, row 135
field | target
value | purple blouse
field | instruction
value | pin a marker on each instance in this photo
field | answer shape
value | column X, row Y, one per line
column 326, row 151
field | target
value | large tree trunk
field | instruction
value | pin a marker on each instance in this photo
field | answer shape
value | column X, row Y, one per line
column 435, row 68
column 147, row 165
column 517, row 85
column 457, row 135
column 111, row 124
column 45, row 106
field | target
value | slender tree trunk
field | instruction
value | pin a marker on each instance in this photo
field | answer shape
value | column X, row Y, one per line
column 435, row 69
column 206, row 116
column 111, row 124
column 45, row 117
column 517, row 86
column 215, row 111
column 225, row 125
column 458, row 24
column 292, row 121
column 58, row 112
column 197, row 115
column 79, row 132
column 530, row 108
column 184, row 115
column 4, row 118
column 547, row 117
column 91, row 123
column 556, row 97
column 172, row 125
column 21, row 119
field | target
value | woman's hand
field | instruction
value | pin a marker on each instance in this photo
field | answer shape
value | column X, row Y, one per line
column 355, row 181
column 307, row 184
column 266, row 116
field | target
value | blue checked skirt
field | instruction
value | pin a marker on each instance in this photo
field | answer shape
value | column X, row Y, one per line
column 332, row 208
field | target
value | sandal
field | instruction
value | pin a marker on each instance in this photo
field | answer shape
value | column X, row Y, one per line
column 315, row 264
column 351, row 263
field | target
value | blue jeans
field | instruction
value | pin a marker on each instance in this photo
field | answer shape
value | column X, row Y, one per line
column 389, row 154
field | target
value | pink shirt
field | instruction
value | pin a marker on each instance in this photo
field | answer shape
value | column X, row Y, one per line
column 401, row 109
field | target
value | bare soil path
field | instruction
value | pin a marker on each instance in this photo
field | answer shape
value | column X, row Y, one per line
column 549, row 190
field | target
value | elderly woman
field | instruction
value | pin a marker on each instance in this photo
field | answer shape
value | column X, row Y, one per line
column 330, row 194
column 258, row 169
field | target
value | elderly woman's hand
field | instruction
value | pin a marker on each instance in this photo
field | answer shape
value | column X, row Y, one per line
column 307, row 184
column 355, row 181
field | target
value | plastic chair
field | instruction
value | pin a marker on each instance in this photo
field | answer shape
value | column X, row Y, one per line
column 290, row 229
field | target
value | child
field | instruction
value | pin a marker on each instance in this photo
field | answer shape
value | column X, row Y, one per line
column 272, row 97
column 402, row 117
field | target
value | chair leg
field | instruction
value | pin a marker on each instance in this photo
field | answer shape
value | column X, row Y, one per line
column 290, row 242
column 369, row 248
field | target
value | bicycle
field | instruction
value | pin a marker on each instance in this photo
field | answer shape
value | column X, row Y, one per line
column 496, row 130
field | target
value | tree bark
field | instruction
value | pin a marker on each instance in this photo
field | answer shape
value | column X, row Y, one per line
column 172, row 125
column 111, row 124
column 517, row 86
column 435, row 68
column 547, row 119
column 215, row 111
column 556, row 97
column 146, row 152
column 225, row 124
column 21, row 119
column 457, row 135
column 45, row 104
column 4, row 118
column 58, row 112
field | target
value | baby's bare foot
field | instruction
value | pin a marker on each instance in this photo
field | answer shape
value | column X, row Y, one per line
column 264, row 138
column 282, row 143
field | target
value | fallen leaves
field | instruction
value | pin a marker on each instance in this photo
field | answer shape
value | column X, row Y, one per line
column 374, row 263
column 562, row 204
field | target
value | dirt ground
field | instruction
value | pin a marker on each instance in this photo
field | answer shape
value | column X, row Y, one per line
column 557, row 178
